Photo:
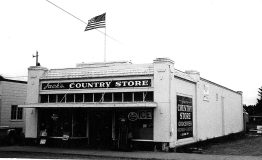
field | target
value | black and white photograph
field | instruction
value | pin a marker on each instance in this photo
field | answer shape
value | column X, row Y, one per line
column 149, row 79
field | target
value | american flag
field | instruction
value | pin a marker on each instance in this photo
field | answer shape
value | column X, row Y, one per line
column 96, row 22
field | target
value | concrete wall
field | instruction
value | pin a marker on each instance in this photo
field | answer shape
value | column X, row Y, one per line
column 187, row 89
column 219, row 111
column 34, row 74
column 162, row 96
column 12, row 93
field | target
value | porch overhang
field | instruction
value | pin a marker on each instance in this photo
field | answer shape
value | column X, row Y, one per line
column 91, row 105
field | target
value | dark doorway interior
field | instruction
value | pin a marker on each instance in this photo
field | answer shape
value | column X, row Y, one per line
column 101, row 128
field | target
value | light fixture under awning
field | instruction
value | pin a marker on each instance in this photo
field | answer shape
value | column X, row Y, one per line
column 90, row 105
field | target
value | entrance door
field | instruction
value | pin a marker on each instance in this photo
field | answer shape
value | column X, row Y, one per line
column 123, row 139
column 101, row 128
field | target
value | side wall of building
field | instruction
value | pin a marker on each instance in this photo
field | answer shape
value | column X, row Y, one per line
column 186, row 89
column 12, row 94
column 219, row 111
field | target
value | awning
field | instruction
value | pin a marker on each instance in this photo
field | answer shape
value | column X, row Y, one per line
column 91, row 105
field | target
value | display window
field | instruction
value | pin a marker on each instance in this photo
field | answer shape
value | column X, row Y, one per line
column 136, row 123
column 61, row 122
column 98, row 97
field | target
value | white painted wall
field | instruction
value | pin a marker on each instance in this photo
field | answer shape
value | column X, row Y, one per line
column 12, row 93
column 34, row 74
column 212, row 117
column 187, row 89
column 162, row 96
column 210, row 112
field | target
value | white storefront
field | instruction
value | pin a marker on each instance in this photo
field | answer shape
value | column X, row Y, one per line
column 102, row 103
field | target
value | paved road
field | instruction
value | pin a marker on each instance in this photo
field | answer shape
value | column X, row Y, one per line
column 33, row 155
column 66, row 153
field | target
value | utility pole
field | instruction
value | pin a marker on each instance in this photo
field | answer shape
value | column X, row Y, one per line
column 36, row 56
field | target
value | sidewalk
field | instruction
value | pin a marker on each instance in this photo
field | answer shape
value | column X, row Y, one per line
column 125, row 155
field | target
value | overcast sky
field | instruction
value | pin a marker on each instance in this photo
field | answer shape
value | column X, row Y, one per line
column 222, row 39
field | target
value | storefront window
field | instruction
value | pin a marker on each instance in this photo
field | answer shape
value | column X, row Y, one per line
column 79, row 97
column 148, row 96
column 61, row 98
column 70, row 98
column 138, row 96
column 44, row 98
column 88, row 97
column 108, row 97
column 60, row 122
column 52, row 98
column 128, row 97
column 138, row 122
column 117, row 97
column 98, row 97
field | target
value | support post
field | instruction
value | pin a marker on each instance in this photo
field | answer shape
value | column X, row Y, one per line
column 105, row 47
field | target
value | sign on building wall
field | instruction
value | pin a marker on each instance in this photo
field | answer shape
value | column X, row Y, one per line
column 206, row 92
column 97, row 84
column 141, row 114
column 184, row 117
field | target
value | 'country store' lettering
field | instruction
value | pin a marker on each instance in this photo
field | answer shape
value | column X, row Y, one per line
column 82, row 85
column 97, row 84
column 89, row 85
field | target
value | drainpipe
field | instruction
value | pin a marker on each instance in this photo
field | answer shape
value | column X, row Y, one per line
column 195, row 75
column 169, row 101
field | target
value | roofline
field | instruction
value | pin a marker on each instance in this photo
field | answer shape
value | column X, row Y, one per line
column 184, row 79
column 11, row 80
column 78, row 78
column 203, row 79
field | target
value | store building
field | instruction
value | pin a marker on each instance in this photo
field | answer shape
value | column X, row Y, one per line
column 112, row 103
column 12, row 94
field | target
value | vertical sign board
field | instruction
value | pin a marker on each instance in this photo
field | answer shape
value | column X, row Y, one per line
column 184, row 117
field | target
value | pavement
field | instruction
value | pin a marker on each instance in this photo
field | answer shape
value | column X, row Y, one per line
column 124, row 155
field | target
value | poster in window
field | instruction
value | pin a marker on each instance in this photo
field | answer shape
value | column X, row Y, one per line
column 184, row 117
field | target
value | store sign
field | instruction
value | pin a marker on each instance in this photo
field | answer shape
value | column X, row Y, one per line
column 143, row 114
column 132, row 116
column 97, row 84
column 184, row 117
column 206, row 93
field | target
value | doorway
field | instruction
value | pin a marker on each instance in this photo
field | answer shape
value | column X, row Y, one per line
column 100, row 128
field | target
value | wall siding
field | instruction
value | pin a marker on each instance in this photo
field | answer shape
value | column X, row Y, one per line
column 12, row 94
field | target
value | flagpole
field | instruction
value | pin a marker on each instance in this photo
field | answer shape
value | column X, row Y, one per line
column 105, row 46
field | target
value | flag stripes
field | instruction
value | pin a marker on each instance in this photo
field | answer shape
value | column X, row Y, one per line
column 96, row 22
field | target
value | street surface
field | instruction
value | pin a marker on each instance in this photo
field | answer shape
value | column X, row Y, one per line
column 33, row 155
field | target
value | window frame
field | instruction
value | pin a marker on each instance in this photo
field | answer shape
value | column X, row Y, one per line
column 16, row 113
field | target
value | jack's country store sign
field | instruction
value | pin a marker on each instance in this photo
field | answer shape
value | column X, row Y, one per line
column 97, row 84
column 184, row 117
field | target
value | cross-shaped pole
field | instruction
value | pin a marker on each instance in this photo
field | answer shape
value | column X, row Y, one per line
column 36, row 56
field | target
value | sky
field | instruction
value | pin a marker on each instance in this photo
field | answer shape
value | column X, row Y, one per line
column 222, row 39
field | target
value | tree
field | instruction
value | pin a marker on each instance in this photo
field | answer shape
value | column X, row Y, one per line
column 259, row 99
column 258, row 106
column 250, row 109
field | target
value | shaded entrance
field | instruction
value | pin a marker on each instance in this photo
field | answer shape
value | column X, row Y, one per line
column 100, row 128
